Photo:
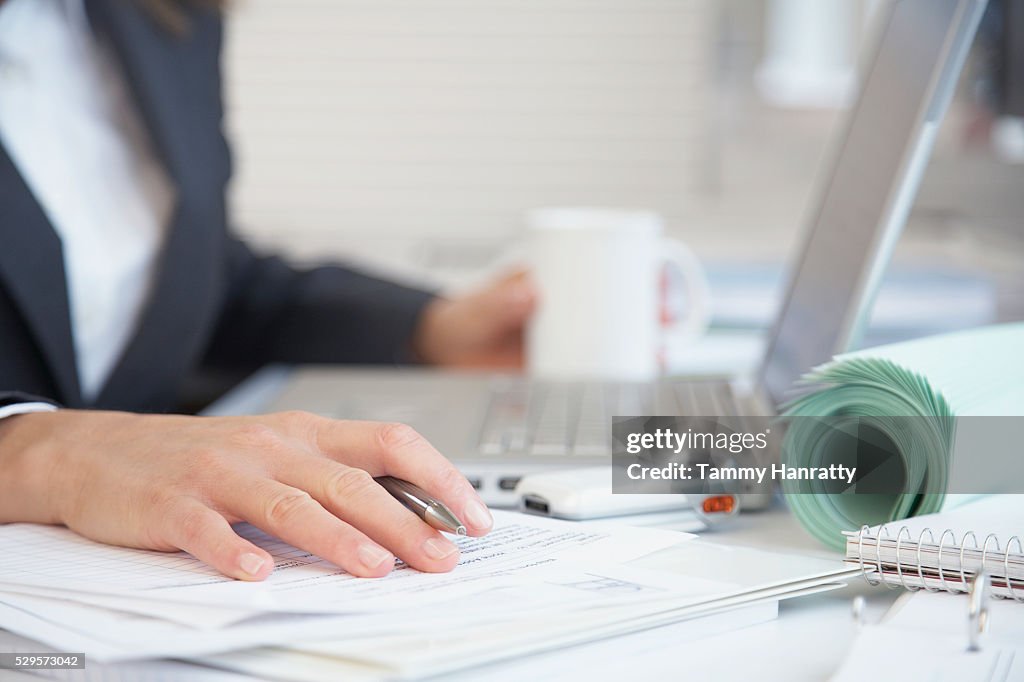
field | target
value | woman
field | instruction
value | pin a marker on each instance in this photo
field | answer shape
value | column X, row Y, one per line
column 119, row 277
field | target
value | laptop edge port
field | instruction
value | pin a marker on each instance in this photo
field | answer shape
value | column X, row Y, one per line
column 509, row 482
column 536, row 504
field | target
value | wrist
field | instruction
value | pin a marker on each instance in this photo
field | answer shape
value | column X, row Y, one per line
column 31, row 476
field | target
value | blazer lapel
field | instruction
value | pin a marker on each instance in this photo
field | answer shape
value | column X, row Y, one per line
column 165, row 74
column 32, row 263
column 149, row 59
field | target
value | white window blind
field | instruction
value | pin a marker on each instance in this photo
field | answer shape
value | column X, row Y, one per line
column 449, row 118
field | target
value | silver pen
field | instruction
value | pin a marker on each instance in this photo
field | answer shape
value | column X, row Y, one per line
column 433, row 512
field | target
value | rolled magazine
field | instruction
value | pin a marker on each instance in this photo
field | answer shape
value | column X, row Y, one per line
column 928, row 423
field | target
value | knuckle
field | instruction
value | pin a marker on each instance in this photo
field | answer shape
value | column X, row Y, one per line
column 394, row 437
column 349, row 482
column 450, row 478
column 282, row 509
column 303, row 425
column 255, row 435
column 298, row 418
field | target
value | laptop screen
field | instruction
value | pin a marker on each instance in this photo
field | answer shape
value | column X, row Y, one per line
column 864, row 197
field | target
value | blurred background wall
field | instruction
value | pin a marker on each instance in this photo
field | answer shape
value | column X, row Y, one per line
column 413, row 134
column 361, row 119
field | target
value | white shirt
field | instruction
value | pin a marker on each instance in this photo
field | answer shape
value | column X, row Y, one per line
column 70, row 126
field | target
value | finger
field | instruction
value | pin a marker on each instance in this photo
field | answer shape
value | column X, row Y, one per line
column 398, row 450
column 292, row 515
column 509, row 301
column 206, row 535
column 352, row 495
column 514, row 275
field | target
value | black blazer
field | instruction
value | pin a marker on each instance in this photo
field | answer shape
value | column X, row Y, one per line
column 214, row 302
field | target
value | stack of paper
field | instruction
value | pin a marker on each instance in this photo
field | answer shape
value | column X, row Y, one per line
column 531, row 585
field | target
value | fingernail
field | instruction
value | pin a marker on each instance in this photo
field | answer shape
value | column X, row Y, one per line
column 373, row 556
column 251, row 563
column 436, row 548
column 478, row 516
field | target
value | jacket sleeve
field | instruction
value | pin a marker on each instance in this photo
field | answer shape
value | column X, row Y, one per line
column 273, row 312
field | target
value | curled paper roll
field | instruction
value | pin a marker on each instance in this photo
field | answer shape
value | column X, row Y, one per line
column 857, row 419
column 926, row 423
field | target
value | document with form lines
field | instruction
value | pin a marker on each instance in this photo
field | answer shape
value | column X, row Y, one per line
column 530, row 583
column 55, row 557
column 119, row 604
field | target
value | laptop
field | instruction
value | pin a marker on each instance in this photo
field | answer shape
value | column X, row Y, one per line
column 498, row 428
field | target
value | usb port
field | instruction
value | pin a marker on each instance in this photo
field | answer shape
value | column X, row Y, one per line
column 475, row 482
column 508, row 483
column 536, row 504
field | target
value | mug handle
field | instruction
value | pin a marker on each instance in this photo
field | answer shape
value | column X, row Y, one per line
column 695, row 288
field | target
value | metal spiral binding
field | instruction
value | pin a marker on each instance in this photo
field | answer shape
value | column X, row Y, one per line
column 963, row 546
column 860, row 557
column 942, row 573
column 1006, row 567
column 993, row 556
column 920, row 568
column 899, row 564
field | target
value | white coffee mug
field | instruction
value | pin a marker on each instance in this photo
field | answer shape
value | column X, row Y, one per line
column 602, row 289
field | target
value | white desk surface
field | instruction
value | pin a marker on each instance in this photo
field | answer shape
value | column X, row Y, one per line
column 807, row 642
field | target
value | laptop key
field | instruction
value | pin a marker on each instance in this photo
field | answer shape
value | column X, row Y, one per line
column 593, row 425
column 516, row 438
column 550, row 436
column 491, row 445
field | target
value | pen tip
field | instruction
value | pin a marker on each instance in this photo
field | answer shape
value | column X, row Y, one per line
column 461, row 530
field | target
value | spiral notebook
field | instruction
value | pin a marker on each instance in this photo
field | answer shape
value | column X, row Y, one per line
column 945, row 551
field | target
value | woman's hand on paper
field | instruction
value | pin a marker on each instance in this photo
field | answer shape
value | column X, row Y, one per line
column 176, row 482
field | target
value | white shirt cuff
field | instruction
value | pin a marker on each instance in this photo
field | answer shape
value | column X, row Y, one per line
column 25, row 408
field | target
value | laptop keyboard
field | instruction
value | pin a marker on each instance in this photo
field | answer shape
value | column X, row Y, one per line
column 559, row 419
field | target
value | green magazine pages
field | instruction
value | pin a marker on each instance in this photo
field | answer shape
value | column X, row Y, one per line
column 910, row 397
